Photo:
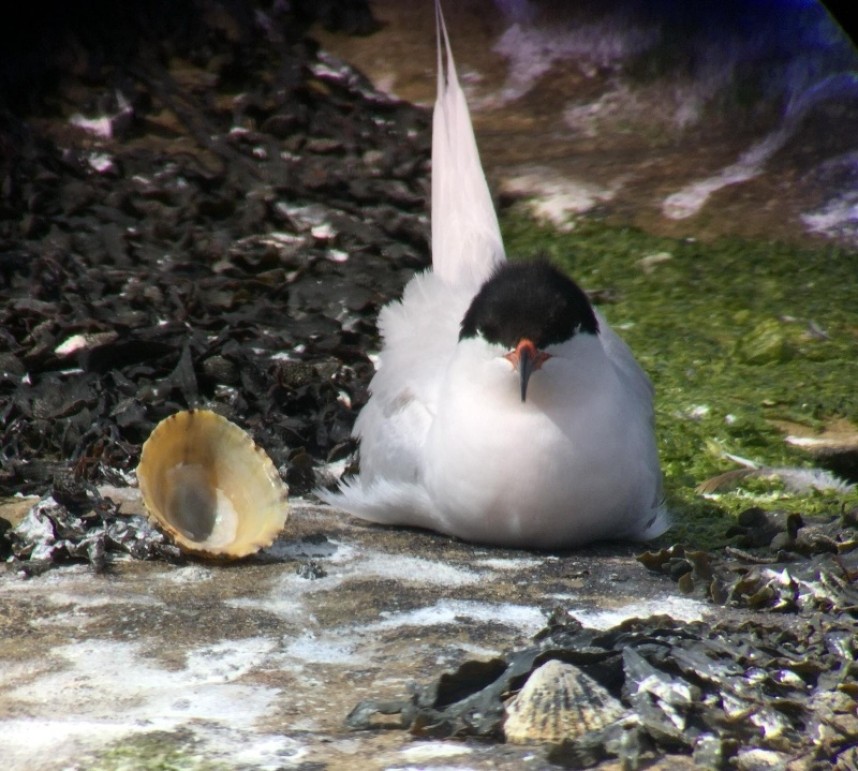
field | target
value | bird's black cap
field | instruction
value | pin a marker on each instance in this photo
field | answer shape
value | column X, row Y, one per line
column 532, row 300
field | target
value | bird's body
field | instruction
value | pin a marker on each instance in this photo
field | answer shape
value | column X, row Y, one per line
column 504, row 409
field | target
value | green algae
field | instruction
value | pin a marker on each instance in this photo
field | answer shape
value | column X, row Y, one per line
column 154, row 751
column 736, row 335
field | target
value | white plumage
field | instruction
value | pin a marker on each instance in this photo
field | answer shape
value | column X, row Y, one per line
column 447, row 440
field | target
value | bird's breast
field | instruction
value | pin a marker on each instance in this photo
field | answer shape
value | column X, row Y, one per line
column 537, row 472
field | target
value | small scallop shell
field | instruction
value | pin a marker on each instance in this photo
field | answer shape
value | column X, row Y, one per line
column 207, row 484
column 559, row 702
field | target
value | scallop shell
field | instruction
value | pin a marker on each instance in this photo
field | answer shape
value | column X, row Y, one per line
column 205, row 482
column 559, row 702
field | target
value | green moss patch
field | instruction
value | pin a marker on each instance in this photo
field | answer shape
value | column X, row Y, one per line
column 155, row 751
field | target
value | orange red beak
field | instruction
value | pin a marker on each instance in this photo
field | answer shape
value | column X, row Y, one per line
column 526, row 358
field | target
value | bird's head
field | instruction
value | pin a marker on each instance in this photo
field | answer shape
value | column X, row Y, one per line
column 526, row 307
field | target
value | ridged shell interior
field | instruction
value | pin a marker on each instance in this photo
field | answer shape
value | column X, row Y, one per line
column 559, row 702
column 206, row 483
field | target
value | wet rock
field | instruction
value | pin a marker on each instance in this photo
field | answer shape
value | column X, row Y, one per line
column 731, row 693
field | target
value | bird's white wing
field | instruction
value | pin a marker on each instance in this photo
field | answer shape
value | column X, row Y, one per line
column 625, row 364
column 466, row 240
column 641, row 390
column 419, row 334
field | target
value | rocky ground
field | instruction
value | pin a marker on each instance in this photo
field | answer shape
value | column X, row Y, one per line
column 201, row 207
column 215, row 223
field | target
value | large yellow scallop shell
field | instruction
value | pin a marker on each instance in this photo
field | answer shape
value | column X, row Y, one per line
column 205, row 482
column 559, row 702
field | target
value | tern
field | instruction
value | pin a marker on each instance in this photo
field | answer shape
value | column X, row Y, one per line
column 504, row 409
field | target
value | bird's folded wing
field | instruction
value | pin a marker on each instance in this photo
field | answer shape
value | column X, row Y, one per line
column 625, row 364
column 420, row 334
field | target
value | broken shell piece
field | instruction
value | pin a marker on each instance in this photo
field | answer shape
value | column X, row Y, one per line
column 559, row 702
column 206, row 483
